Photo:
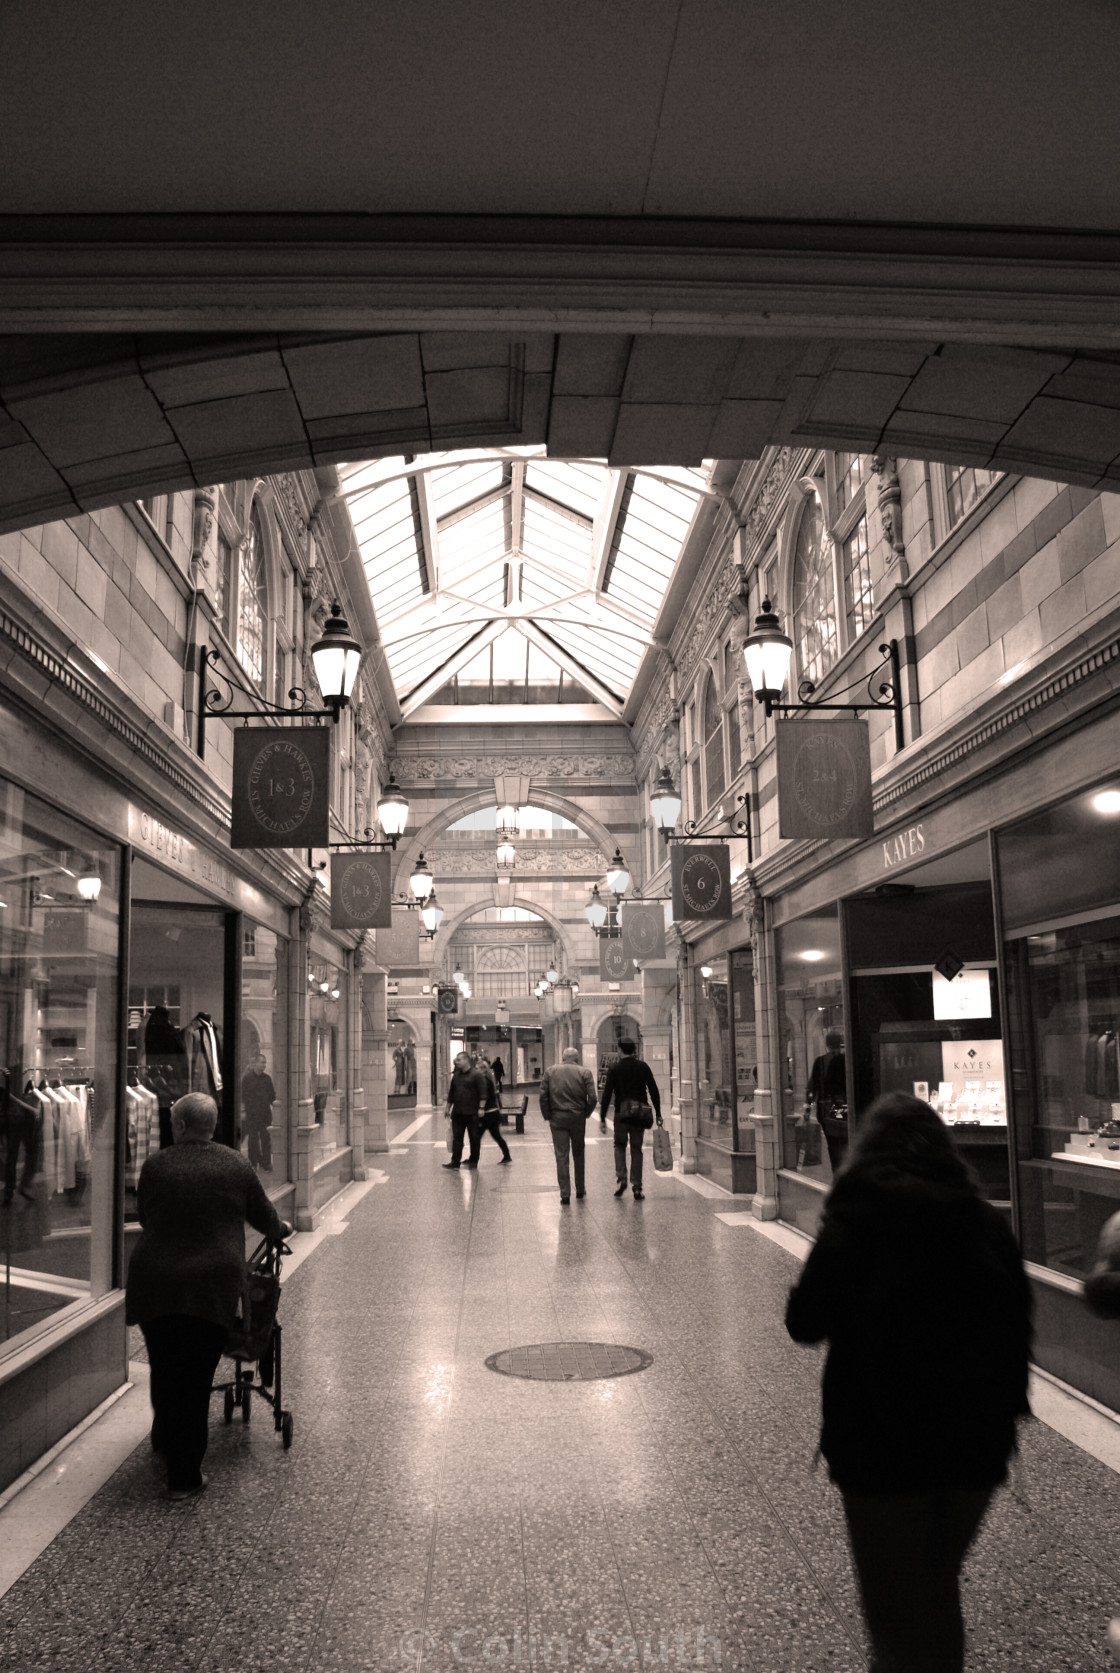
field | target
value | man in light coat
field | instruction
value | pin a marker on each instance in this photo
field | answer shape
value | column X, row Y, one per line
column 567, row 1094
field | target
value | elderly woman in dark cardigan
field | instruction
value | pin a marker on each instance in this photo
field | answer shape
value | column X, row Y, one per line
column 186, row 1276
column 916, row 1284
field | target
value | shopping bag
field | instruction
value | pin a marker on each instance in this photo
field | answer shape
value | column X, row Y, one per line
column 252, row 1331
column 662, row 1148
column 808, row 1135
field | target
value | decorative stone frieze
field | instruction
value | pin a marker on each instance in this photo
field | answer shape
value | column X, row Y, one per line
column 612, row 768
column 462, row 859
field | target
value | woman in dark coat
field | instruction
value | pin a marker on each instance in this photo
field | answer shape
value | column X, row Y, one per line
column 917, row 1285
column 186, row 1276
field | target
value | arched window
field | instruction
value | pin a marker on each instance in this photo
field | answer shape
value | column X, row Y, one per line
column 713, row 743
column 816, row 630
column 252, row 603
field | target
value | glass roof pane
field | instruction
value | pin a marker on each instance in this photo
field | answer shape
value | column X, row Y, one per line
column 564, row 507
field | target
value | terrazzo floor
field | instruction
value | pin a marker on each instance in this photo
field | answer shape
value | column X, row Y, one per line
column 433, row 1515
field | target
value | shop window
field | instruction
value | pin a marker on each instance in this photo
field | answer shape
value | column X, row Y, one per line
column 812, row 1066
column 726, row 1052
column 713, row 743
column 965, row 487
column 816, row 629
column 59, row 960
column 1062, row 957
column 328, row 985
column 264, row 1098
column 252, row 602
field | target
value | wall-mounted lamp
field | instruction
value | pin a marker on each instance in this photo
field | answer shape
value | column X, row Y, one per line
column 335, row 657
column 618, row 874
column 768, row 653
column 665, row 802
column 392, row 810
column 431, row 915
column 421, row 882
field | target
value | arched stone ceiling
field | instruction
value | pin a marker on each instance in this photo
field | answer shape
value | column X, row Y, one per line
column 90, row 420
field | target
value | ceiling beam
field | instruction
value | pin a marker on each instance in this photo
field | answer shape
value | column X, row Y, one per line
column 446, row 670
column 423, row 490
column 602, row 549
column 571, row 665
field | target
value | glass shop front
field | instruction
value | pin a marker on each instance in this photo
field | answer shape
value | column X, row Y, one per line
column 726, row 1058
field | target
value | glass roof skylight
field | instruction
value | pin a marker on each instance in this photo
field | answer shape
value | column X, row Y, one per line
column 504, row 568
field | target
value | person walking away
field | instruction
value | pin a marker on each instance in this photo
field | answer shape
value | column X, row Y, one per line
column 466, row 1096
column 628, row 1082
column 916, row 1284
column 187, row 1273
column 567, row 1095
column 490, row 1119
column 498, row 1070
column 827, row 1093
column 257, row 1098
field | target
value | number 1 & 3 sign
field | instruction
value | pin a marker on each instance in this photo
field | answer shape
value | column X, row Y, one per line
column 281, row 787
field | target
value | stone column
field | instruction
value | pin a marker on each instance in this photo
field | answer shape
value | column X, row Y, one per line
column 303, row 1172
column 424, row 1072
column 355, row 1076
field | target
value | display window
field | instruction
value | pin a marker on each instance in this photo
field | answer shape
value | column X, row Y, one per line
column 263, row 1088
column 813, row 1068
column 1063, row 979
column 726, row 1054
column 59, row 971
column 329, row 988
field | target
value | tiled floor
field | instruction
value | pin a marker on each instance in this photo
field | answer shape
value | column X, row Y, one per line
column 433, row 1515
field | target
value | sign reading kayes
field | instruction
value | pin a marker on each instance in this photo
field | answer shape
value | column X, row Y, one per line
column 360, row 891
column 701, row 877
column 281, row 787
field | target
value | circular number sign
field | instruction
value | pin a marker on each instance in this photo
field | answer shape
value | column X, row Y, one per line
column 824, row 779
column 701, row 884
column 615, row 962
column 361, row 890
column 281, row 786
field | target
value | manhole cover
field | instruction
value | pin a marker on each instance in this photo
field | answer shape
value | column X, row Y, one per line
column 569, row 1362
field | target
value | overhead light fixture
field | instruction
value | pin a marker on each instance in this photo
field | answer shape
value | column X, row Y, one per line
column 507, row 821
column 562, row 994
column 706, row 971
column 335, row 993
column 392, row 810
column 336, row 658
column 812, row 955
column 457, row 975
column 324, row 987
column 551, row 975
column 665, row 802
column 506, row 854
column 431, row 914
column 89, row 882
column 596, row 909
column 1106, row 801
column 618, row 874
column 421, row 882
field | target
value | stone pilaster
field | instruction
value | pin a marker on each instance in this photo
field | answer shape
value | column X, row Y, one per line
column 375, row 1060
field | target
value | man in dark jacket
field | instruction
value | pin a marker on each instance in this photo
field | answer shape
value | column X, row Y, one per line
column 567, row 1094
column 917, row 1285
column 186, row 1275
column 632, row 1086
column 466, row 1097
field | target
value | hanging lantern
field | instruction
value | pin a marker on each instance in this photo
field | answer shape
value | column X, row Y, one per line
column 335, row 658
column 665, row 802
column 618, row 874
column 421, row 882
column 392, row 810
column 768, row 652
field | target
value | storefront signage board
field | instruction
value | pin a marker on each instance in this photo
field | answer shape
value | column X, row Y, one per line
column 399, row 944
column 701, row 880
column 153, row 840
column 643, row 931
column 615, row 963
column 824, row 779
column 361, row 891
column 281, row 787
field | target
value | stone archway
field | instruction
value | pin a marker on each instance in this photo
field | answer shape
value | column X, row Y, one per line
column 413, row 844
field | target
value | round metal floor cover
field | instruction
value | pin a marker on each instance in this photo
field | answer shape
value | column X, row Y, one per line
column 569, row 1362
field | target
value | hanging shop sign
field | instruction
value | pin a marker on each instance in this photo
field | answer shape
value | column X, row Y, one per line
column 824, row 778
column 643, row 931
column 447, row 1001
column 361, row 895
column 281, row 787
column 399, row 944
column 701, row 879
column 615, row 963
